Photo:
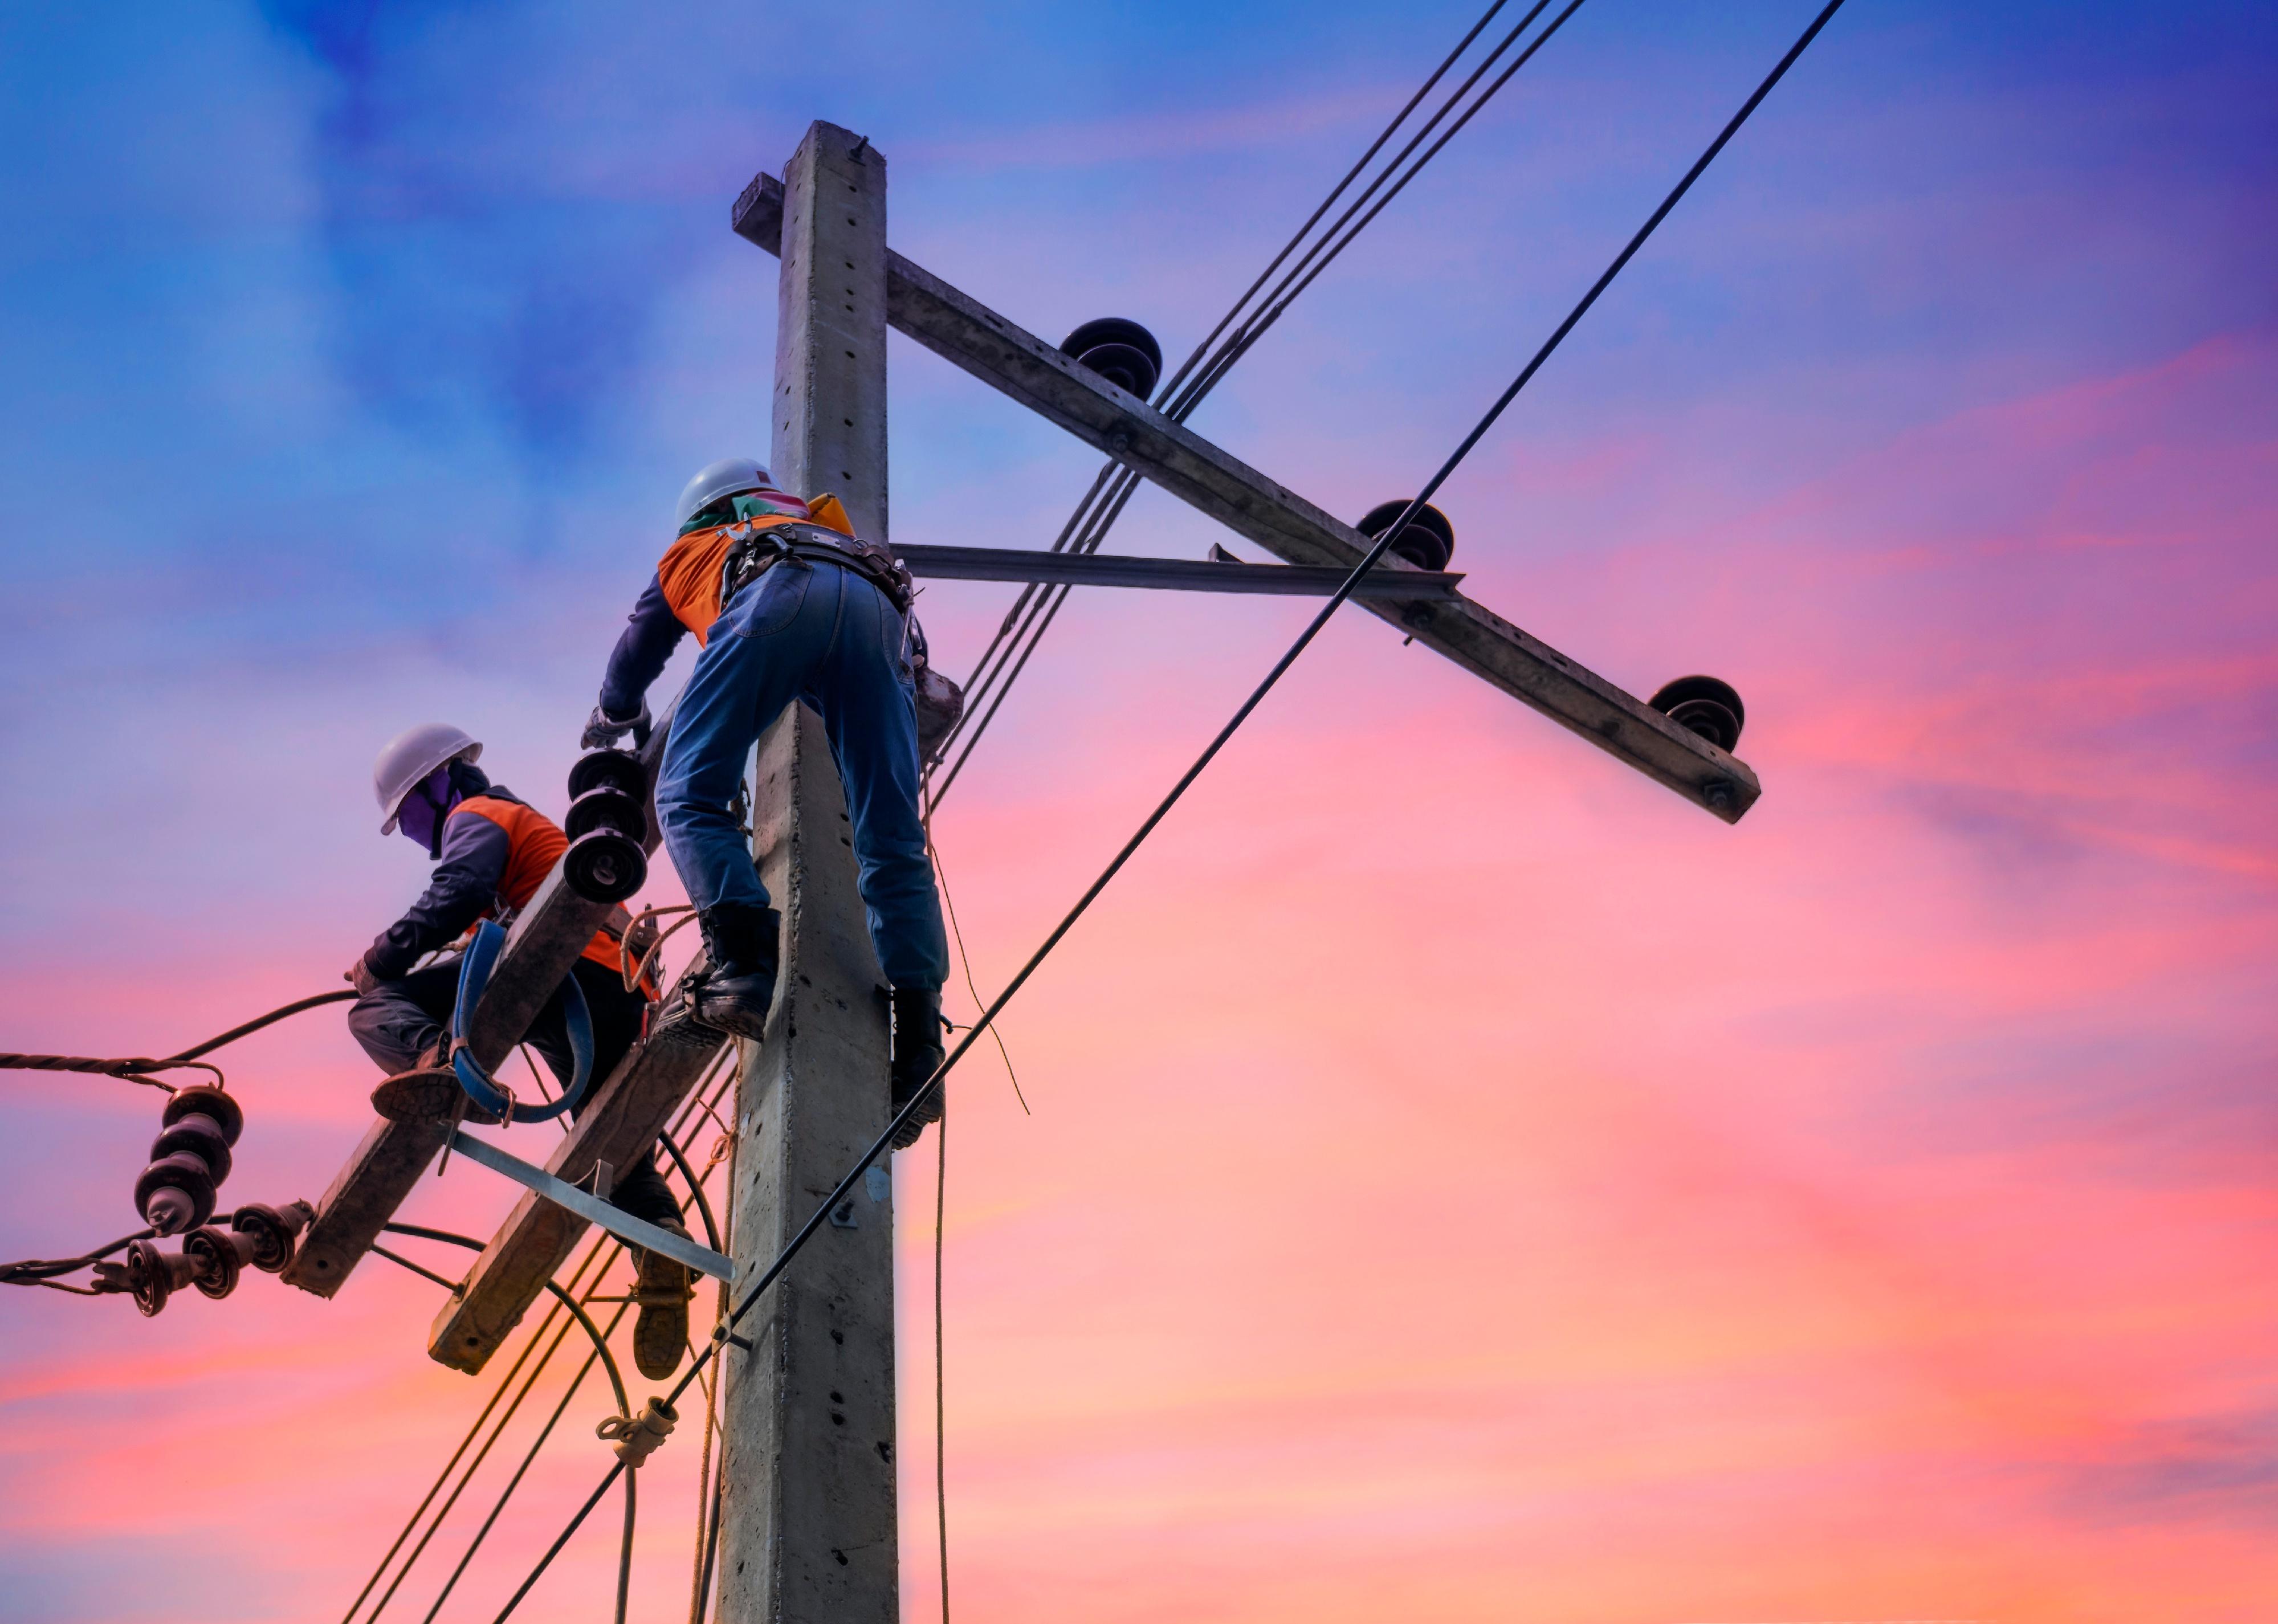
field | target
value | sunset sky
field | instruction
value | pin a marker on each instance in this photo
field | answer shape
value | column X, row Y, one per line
column 1465, row 1182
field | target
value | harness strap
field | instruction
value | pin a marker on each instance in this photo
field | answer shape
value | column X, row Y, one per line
column 756, row 551
column 474, row 974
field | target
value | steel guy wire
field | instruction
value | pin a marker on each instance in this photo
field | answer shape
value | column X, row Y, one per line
column 1368, row 562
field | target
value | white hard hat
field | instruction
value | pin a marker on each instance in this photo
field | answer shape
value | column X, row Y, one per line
column 411, row 756
column 729, row 476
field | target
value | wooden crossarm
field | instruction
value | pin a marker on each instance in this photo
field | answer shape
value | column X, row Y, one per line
column 1042, row 379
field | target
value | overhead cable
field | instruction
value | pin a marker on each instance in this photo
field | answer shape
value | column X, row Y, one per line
column 135, row 1070
column 1033, row 613
column 602, row 1253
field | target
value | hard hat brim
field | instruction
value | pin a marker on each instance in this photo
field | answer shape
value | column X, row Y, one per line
column 470, row 751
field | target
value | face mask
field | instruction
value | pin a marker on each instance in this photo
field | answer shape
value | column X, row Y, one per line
column 420, row 818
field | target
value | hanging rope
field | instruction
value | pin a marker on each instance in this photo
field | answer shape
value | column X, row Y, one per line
column 940, row 1379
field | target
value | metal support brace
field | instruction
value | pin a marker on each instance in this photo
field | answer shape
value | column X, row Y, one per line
column 623, row 1225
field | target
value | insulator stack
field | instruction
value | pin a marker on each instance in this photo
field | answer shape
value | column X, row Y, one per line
column 608, row 821
column 274, row 1231
column 218, row 1256
column 154, row 1275
column 1705, row 705
column 1427, row 540
column 188, row 1161
column 1120, row 350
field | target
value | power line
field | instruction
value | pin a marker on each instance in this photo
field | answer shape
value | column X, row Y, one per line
column 1186, row 780
column 603, row 1252
column 137, row 1069
column 1035, row 610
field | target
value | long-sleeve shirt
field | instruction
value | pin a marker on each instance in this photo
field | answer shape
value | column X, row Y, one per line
column 465, row 887
column 647, row 643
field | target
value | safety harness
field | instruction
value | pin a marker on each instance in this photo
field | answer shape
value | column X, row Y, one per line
column 752, row 552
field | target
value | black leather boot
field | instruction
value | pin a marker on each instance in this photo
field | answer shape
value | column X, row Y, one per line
column 742, row 945
column 917, row 1052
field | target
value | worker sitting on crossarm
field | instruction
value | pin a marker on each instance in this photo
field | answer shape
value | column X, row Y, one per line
column 786, row 604
column 492, row 851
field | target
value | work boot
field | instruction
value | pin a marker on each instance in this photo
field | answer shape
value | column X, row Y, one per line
column 662, row 1289
column 429, row 1092
column 741, row 951
column 917, row 1052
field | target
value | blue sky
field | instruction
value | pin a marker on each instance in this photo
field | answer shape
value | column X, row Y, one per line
column 353, row 356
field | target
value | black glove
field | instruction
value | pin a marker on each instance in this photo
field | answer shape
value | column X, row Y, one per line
column 603, row 730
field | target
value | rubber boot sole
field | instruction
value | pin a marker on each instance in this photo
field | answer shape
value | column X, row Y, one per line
column 660, row 1334
column 731, row 1016
column 428, row 1095
column 930, row 1112
column 742, row 1013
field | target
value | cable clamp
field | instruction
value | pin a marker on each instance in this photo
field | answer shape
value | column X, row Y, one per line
column 636, row 1440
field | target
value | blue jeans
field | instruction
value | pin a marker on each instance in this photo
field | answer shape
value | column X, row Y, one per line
column 822, row 633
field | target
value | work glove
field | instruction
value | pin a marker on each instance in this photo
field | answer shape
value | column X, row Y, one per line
column 603, row 730
column 359, row 976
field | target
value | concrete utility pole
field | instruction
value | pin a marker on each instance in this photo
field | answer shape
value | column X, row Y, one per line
column 806, row 1532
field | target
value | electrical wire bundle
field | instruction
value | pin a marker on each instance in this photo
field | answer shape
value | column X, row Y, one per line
column 1313, row 248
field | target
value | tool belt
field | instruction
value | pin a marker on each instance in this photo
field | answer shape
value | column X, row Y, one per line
column 754, row 552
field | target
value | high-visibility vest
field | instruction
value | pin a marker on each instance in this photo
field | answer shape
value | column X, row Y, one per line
column 689, row 572
column 534, row 845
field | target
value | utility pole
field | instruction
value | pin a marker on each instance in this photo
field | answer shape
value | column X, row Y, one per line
column 807, row 1463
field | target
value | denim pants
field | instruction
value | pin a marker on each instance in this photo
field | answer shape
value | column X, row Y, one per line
column 816, row 631
column 397, row 1020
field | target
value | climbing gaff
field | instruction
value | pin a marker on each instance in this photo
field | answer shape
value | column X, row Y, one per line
column 1120, row 350
column 1703, row 706
column 1427, row 540
column 474, row 974
column 608, row 821
column 188, row 1160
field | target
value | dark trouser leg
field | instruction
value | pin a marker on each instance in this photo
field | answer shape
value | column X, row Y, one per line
column 638, row 1189
column 867, row 710
column 397, row 1020
column 754, row 662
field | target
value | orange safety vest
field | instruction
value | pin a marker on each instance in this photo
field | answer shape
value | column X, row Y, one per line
column 689, row 572
column 534, row 845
